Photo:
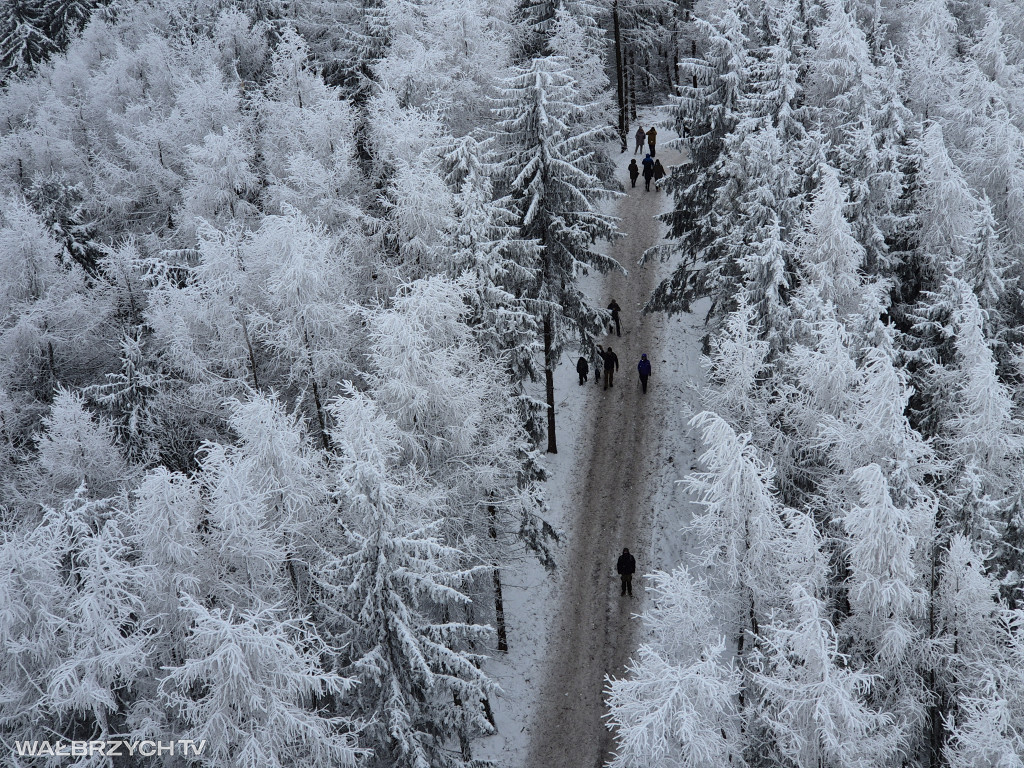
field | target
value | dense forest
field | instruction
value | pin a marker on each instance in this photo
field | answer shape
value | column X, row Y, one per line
column 283, row 285
column 855, row 215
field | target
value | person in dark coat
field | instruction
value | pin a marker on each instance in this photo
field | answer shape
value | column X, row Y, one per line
column 659, row 173
column 582, row 368
column 648, row 165
column 644, row 367
column 626, row 567
column 634, row 172
column 615, row 309
column 611, row 365
column 652, row 138
column 640, row 135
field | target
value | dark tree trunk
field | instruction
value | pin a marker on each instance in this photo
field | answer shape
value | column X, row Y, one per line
column 935, row 709
column 632, row 84
column 324, row 439
column 549, row 380
column 621, row 95
column 499, row 602
column 252, row 355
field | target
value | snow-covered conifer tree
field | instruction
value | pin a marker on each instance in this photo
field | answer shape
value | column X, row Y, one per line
column 223, row 185
column 72, row 622
column 885, row 591
column 76, row 448
column 205, row 325
column 108, row 646
column 394, row 596
column 307, row 143
column 50, row 322
column 23, row 40
column 711, row 101
column 678, row 704
column 33, row 594
column 577, row 37
column 946, row 211
column 252, row 687
column 738, row 364
column 987, row 267
column 129, row 395
column 829, row 257
column 843, row 78
column 306, row 278
column 458, row 420
column 812, row 701
column 978, row 676
column 165, row 519
column 758, row 546
column 553, row 169
column 487, row 248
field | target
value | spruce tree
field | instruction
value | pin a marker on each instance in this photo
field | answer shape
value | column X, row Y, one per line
column 395, row 599
column 553, row 169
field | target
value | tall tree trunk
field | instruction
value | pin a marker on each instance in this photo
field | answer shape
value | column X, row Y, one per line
column 935, row 709
column 620, row 89
column 248, row 346
column 693, row 55
column 325, row 441
column 631, row 72
column 499, row 602
column 52, row 366
column 549, row 379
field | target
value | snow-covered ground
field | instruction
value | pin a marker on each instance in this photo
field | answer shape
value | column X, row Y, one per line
column 534, row 598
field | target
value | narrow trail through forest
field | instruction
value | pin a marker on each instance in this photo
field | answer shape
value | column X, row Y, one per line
column 593, row 634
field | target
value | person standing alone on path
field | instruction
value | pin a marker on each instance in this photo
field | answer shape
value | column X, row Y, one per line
column 634, row 172
column 652, row 138
column 582, row 368
column 615, row 309
column 640, row 134
column 626, row 567
column 611, row 365
column 648, row 165
column 644, row 367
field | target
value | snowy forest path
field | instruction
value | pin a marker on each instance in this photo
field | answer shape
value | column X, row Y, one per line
column 593, row 635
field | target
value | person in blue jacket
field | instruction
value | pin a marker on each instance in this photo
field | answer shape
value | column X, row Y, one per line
column 644, row 367
column 648, row 172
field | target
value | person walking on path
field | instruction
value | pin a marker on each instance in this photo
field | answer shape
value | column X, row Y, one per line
column 640, row 134
column 644, row 367
column 634, row 172
column 582, row 368
column 615, row 309
column 652, row 138
column 611, row 365
column 626, row 567
column 659, row 174
column 648, row 165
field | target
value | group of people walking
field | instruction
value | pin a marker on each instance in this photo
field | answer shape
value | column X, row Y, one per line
column 607, row 362
column 652, row 169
